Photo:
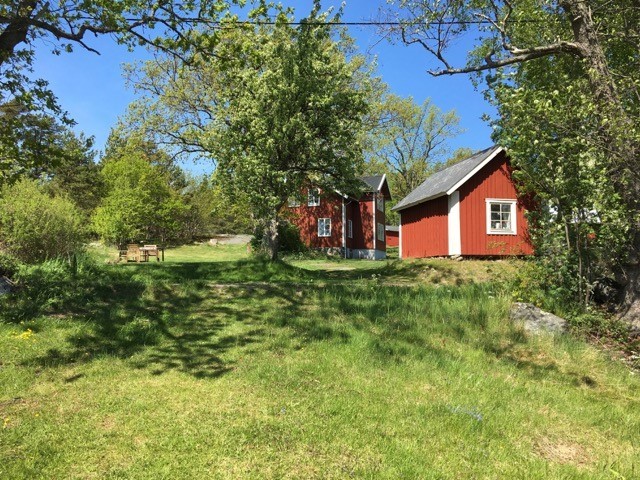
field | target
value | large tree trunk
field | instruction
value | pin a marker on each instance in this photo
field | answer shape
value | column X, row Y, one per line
column 271, row 239
column 623, row 148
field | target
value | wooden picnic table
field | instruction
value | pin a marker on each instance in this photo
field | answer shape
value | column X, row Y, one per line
column 147, row 251
column 136, row 253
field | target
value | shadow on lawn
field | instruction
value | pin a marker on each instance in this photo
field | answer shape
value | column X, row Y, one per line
column 198, row 318
column 182, row 316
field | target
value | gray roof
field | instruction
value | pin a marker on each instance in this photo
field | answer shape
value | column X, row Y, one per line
column 441, row 182
column 392, row 228
column 372, row 181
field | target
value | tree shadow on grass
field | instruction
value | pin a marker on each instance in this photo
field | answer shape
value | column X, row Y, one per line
column 174, row 319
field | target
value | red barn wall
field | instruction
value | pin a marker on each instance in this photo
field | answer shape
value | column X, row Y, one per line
column 363, row 224
column 425, row 229
column 393, row 239
column 306, row 219
column 493, row 181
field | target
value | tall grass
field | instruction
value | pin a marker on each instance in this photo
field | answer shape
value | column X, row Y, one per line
column 243, row 370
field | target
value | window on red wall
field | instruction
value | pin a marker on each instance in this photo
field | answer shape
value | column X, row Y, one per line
column 380, row 203
column 380, row 232
column 313, row 197
column 324, row 227
column 349, row 229
column 501, row 217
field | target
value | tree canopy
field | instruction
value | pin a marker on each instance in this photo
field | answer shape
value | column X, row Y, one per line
column 410, row 140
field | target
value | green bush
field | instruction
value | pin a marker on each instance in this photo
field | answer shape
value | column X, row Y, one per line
column 44, row 287
column 35, row 227
column 8, row 264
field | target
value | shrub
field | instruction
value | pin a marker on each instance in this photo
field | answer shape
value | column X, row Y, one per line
column 289, row 237
column 35, row 227
column 8, row 264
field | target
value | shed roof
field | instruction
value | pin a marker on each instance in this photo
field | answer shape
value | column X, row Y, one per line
column 448, row 180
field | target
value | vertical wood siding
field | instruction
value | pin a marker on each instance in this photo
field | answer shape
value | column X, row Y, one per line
column 363, row 223
column 424, row 229
column 493, row 181
column 381, row 219
column 393, row 239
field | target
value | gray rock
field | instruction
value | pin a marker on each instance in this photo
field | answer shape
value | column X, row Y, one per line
column 535, row 320
column 230, row 239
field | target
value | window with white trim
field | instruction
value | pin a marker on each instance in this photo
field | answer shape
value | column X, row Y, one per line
column 349, row 229
column 501, row 217
column 380, row 232
column 313, row 199
column 324, row 227
column 380, row 203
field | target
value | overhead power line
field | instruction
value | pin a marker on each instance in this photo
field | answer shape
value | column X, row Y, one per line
column 375, row 23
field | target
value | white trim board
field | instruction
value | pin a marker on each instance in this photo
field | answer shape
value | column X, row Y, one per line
column 475, row 170
column 453, row 224
column 384, row 176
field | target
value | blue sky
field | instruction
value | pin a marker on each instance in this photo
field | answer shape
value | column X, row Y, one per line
column 91, row 87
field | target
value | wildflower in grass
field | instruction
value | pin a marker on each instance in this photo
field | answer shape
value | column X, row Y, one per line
column 5, row 423
column 26, row 335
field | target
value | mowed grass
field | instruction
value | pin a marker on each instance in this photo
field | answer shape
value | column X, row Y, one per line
column 245, row 369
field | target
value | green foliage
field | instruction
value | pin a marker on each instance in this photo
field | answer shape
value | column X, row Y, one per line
column 140, row 204
column 65, row 25
column 35, row 227
column 8, row 264
column 76, row 173
column 31, row 143
column 43, row 287
column 409, row 141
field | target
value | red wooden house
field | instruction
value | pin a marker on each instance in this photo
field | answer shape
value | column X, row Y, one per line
column 471, row 208
column 353, row 226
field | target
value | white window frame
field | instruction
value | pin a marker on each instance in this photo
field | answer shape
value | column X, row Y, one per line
column 513, row 212
column 313, row 197
column 349, row 229
column 322, row 232
column 380, row 202
column 381, row 232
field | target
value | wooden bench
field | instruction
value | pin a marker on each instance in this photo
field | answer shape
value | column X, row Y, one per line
column 133, row 252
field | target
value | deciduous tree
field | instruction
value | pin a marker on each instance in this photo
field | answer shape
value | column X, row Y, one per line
column 276, row 106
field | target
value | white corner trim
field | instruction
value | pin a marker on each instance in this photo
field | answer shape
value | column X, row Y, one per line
column 375, row 209
column 453, row 218
column 384, row 176
column 475, row 170
column 514, row 215
column 400, row 238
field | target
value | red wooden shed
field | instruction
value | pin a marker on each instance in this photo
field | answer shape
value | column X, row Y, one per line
column 393, row 235
column 471, row 208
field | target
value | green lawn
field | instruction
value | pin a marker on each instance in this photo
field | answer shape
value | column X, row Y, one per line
column 217, row 365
